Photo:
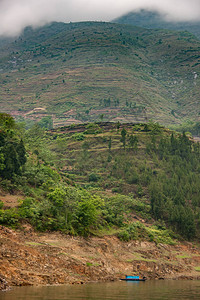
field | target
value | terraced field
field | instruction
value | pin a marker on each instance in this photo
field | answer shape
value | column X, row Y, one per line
column 92, row 71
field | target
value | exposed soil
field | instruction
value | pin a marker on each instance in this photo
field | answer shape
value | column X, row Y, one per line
column 30, row 258
column 9, row 200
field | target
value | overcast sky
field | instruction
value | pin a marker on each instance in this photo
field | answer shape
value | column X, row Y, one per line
column 16, row 14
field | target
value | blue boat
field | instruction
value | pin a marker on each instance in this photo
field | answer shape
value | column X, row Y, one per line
column 133, row 278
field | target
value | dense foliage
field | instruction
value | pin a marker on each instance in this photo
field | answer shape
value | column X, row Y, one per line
column 140, row 169
column 175, row 192
column 190, row 127
column 12, row 150
column 145, row 160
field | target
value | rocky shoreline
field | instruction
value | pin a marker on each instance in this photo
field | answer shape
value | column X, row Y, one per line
column 30, row 258
column 4, row 285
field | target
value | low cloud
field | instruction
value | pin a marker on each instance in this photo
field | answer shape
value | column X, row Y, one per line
column 17, row 14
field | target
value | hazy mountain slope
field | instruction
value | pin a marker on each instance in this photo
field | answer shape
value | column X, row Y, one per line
column 30, row 37
column 151, row 19
column 81, row 71
column 4, row 41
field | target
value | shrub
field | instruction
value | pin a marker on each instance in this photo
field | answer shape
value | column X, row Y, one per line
column 124, row 236
column 130, row 232
column 93, row 177
column 9, row 217
column 1, row 204
column 92, row 128
column 78, row 136
column 132, row 178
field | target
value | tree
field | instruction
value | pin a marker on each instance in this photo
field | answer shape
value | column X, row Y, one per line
column 12, row 151
column 123, row 137
column 157, row 199
column 118, row 125
column 110, row 144
column 21, row 151
column 2, row 166
column 60, row 200
column 6, row 121
column 101, row 117
column 133, row 142
column 2, row 138
column 174, row 144
column 87, row 212
column 46, row 122
column 11, row 162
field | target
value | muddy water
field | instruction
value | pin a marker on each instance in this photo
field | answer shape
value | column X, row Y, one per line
column 149, row 290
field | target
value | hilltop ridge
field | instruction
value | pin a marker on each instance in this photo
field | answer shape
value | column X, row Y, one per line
column 152, row 19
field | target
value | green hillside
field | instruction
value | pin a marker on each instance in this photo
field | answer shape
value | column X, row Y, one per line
column 154, row 20
column 92, row 71
column 137, row 181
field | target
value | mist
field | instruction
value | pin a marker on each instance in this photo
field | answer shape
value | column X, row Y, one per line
column 15, row 15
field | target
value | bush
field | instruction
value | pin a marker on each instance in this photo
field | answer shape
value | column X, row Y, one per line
column 1, row 204
column 9, row 217
column 92, row 128
column 132, row 178
column 130, row 232
column 160, row 235
column 124, row 236
column 93, row 177
column 78, row 136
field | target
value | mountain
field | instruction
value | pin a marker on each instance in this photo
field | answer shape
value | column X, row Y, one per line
column 154, row 20
column 4, row 41
column 89, row 71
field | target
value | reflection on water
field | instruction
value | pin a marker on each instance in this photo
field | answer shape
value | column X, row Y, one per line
column 149, row 290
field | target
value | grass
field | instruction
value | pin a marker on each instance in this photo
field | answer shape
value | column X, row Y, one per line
column 54, row 244
column 197, row 269
column 160, row 236
column 183, row 256
column 34, row 244
column 89, row 264
column 106, row 232
column 138, row 257
column 63, row 253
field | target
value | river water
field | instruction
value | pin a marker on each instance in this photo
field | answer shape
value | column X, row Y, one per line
column 149, row 290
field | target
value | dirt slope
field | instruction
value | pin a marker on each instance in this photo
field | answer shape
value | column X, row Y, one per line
column 29, row 258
